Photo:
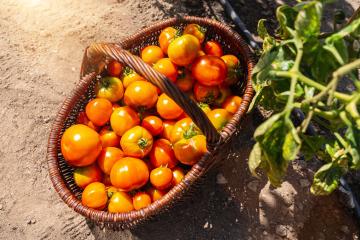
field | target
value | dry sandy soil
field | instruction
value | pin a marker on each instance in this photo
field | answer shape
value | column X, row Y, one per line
column 41, row 46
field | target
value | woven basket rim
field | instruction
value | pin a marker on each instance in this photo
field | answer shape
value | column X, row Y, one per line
column 196, row 171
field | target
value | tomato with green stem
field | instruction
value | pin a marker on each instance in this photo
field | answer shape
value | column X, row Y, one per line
column 129, row 76
column 196, row 30
column 136, row 142
column 206, row 94
column 110, row 88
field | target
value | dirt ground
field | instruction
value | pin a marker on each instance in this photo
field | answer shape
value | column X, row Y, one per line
column 41, row 46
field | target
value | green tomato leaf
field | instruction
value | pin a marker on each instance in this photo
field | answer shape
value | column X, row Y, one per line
column 255, row 159
column 308, row 20
column 292, row 142
column 313, row 145
column 352, row 136
column 353, row 27
column 286, row 18
column 261, row 29
column 326, row 179
column 265, row 60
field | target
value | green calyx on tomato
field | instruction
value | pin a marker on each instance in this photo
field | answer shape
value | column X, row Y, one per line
column 190, row 132
column 110, row 88
column 142, row 143
column 128, row 71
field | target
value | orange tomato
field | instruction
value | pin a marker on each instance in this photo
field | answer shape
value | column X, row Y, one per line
column 99, row 111
column 129, row 76
column 141, row 200
column 168, row 126
column 83, row 119
column 109, row 138
column 110, row 88
column 140, row 94
column 224, row 93
column 167, row 108
column 161, row 177
column 206, row 94
column 232, row 104
column 114, row 68
column 195, row 30
column 185, row 81
column 166, row 36
column 108, row 157
column 122, row 119
column 83, row 176
column 153, row 124
column 209, row 70
column 183, row 50
column 201, row 53
column 188, row 143
column 129, row 173
column 151, row 54
column 94, row 196
column 178, row 175
column 136, row 142
column 80, row 145
column 234, row 69
column 120, row 202
column 213, row 48
column 219, row 118
column 166, row 67
column 162, row 154
column 155, row 194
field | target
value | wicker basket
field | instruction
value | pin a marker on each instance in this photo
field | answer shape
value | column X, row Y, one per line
column 95, row 58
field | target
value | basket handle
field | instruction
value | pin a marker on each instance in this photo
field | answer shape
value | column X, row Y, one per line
column 95, row 56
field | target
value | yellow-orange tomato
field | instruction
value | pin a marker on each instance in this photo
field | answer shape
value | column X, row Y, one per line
column 151, row 54
column 205, row 107
column 80, row 145
column 108, row 157
column 185, row 81
column 114, row 68
column 83, row 176
column 232, row 104
column 110, row 88
column 83, row 119
column 224, row 93
column 129, row 76
column 140, row 94
column 129, row 173
column 178, row 175
column 234, row 69
column 136, row 142
column 141, row 200
column 162, row 154
column 206, row 94
column 168, row 126
column 153, row 124
column 122, row 119
column 94, row 196
column 99, row 111
column 188, row 143
column 167, row 108
column 109, row 138
column 166, row 36
column 213, row 48
column 166, row 67
column 183, row 50
column 219, row 118
column 195, row 30
column 161, row 177
column 120, row 202
column 155, row 194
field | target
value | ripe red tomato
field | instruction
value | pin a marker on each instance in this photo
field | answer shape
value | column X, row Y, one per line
column 219, row 118
column 166, row 36
column 129, row 173
column 120, row 202
column 155, row 194
column 234, row 69
column 80, row 145
column 161, row 177
column 151, row 54
column 114, row 68
column 213, row 48
column 108, row 157
column 94, row 196
column 153, row 124
column 110, row 88
column 140, row 94
column 99, row 111
column 109, row 138
column 162, row 154
column 185, row 81
column 167, row 108
column 206, row 94
column 136, row 142
column 168, row 126
column 209, row 70
column 178, row 175
column 232, row 104
column 183, row 50
column 166, row 67
column 195, row 30
column 122, row 119
column 83, row 176
column 141, row 200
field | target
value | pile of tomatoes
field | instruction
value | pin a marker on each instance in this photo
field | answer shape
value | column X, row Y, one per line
column 132, row 143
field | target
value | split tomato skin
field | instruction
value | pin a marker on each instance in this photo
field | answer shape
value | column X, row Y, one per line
column 183, row 50
column 136, row 142
column 141, row 94
column 232, row 104
column 219, row 118
column 122, row 119
column 109, row 138
column 167, row 108
column 161, row 178
column 162, row 154
column 206, row 94
column 209, row 70
column 196, row 30
column 94, row 196
column 129, row 174
column 141, row 200
column 99, row 111
column 80, row 145
column 166, row 67
column 110, row 88
column 108, row 157
column 120, row 202
column 166, row 36
column 114, row 68
column 153, row 124
column 83, row 176
column 151, row 54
